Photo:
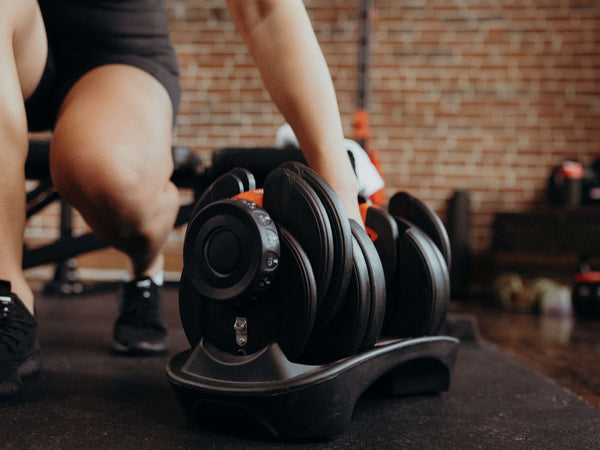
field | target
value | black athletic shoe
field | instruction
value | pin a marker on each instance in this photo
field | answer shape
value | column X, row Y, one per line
column 19, row 350
column 140, row 330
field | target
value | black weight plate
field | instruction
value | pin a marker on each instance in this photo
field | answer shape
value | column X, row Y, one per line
column 190, row 310
column 230, row 246
column 377, row 295
column 294, row 294
column 345, row 333
column 383, row 231
column 340, row 227
column 442, row 300
column 440, row 277
column 245, row 176
column 441, row 283
column 408, row 207
column 284, row 314
column 295, row 205
column 412, row 308
column 226, row 186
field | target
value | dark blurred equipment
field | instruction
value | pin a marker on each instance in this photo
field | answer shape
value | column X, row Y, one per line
column 586, row 291
column 591, row 183
column 459, row 226
column 573, row 183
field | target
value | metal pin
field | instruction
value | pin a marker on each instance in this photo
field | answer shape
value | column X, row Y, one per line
column 241, row 331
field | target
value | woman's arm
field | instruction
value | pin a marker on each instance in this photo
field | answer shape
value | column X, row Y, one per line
column 281, row 40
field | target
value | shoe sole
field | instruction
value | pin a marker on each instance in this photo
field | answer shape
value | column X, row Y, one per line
column 139, row 349
column 29, row 367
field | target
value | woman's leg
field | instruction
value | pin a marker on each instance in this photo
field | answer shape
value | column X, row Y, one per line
column 23, row 51
column 111, row 159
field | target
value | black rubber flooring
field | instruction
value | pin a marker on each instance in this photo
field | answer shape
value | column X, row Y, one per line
column 87, row 398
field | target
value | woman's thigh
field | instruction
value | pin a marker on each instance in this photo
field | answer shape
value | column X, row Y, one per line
column 112, row 137
column 84, row 35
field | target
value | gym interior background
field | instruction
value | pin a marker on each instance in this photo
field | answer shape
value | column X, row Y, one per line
column 485, row 97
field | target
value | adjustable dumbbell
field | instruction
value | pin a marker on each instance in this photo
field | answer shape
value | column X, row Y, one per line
column 218, row 284
column 326, row 297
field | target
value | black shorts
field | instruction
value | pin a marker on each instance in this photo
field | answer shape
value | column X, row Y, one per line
column 85, row 34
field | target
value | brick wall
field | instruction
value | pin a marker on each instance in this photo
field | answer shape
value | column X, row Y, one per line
column 480, row 95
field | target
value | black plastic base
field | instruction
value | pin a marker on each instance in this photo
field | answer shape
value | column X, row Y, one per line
column 291, row 400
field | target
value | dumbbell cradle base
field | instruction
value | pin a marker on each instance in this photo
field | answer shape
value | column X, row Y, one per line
column 289, row 400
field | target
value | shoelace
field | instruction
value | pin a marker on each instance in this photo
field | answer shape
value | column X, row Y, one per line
column 7, row 305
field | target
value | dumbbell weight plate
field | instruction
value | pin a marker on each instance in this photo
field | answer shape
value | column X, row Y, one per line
column 420, row 289
column 342, row 238
column 226, row 186
column 377, row 286
column 190, row 309
column 294, row 204
column 294, row 295
column 442, row 300
column 245, row 176
column 345, row 333
column 420, row 215
column 383, row 231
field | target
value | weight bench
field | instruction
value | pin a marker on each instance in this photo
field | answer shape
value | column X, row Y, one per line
column 188, row 173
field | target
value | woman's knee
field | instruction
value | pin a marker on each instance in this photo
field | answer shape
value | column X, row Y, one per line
column 116, row 190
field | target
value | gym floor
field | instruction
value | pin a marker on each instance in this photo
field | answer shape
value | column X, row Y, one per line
column 87, row 398
column 565, row 349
